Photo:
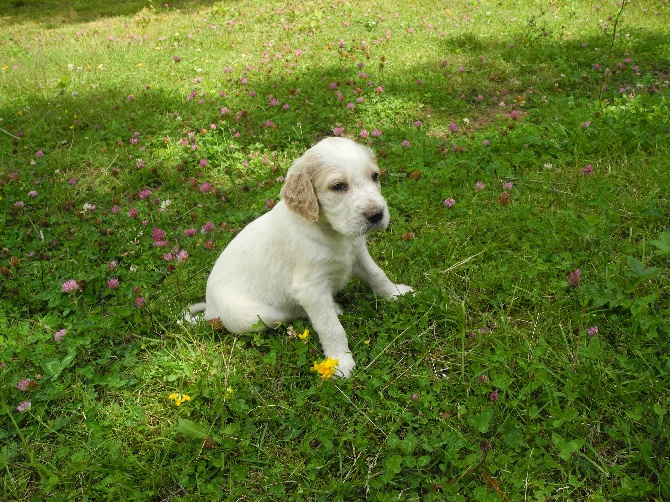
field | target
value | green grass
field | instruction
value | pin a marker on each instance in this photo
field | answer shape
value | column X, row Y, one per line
column 484, row 385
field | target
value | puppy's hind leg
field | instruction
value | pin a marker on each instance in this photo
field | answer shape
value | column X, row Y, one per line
column 246, row 317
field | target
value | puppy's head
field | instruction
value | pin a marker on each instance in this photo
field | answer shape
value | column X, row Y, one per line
column 336, row 183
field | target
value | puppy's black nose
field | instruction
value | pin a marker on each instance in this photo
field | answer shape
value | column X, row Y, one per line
column 374, row 217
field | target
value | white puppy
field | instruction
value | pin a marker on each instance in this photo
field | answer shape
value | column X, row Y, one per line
column 292, row 260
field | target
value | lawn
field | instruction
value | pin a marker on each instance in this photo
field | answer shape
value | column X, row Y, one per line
column 524, row 152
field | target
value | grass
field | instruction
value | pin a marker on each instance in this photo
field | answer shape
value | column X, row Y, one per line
column 548, row 126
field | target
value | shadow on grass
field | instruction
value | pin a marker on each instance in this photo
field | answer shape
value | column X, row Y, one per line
column 589, row 68
column 529, row 71
column 53, row 13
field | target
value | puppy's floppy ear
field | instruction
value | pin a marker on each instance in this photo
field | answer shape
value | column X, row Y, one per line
column 298, row 192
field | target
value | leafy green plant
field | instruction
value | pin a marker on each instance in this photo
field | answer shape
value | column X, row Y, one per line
column 524, row 159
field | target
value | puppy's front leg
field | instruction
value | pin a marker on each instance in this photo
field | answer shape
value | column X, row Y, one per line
column 369, row 272
column 321, row 310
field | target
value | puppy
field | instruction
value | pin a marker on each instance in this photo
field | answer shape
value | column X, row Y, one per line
column 289, row 263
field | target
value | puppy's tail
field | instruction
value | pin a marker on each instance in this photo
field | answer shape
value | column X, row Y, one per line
column 189, row 315
column 197, row 308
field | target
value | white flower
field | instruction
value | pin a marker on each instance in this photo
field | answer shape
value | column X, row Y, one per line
column 165, row 204
column 548, row 166
column 88, row 207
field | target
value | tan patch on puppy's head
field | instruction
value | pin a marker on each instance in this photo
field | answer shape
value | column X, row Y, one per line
column 298, row 190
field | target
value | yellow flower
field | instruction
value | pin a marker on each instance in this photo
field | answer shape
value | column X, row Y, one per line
column 304, row 336
column 179, row 398
column 326, row 368
column 229, row 393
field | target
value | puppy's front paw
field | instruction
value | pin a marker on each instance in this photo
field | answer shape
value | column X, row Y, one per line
column 345, row 363
column 400, row 289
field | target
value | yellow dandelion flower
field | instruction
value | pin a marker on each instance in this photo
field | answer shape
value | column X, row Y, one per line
column 326, row 368
column 304, row 336
column 179, row 398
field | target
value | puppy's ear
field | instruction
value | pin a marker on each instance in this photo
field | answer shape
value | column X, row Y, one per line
column 298, row 192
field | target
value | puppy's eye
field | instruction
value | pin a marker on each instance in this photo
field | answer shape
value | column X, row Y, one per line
column 339, row 187
column 375, row 177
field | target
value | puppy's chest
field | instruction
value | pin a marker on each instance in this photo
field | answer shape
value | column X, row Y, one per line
column 339, row 273
column 338, row 266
